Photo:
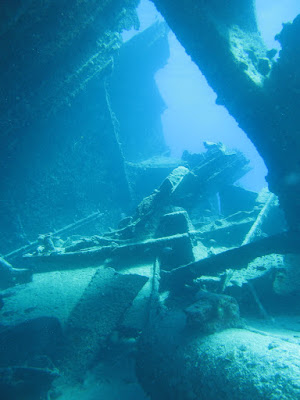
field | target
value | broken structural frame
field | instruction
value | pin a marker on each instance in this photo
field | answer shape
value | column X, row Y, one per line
column 237, row 258
column 261, row 93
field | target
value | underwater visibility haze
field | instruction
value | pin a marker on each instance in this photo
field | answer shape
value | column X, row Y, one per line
column 150, row 200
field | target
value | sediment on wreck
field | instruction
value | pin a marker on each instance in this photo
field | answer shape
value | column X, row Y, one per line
column 173, row 363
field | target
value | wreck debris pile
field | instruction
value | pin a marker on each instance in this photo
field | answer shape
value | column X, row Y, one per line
column 178, row 256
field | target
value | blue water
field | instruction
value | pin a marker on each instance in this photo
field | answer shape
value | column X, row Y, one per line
column 192, row 115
